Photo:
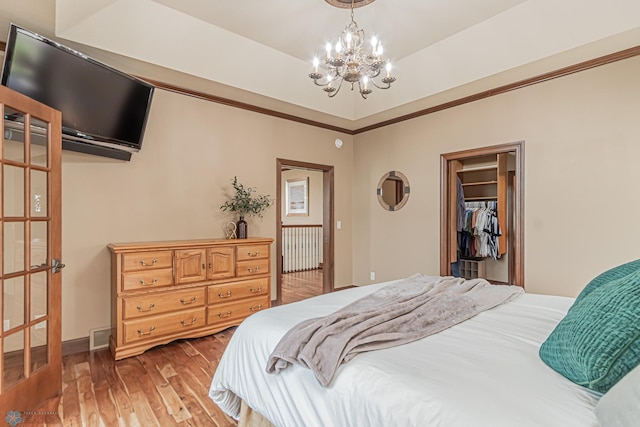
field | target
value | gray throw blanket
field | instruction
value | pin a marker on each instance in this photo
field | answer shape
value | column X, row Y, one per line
column 396, row 314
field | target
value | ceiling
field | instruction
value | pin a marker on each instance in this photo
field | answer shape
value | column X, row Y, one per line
column 260, row 52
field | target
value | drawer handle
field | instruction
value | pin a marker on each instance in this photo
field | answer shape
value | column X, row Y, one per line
column 191, row 301
column 151, row 329
column 253, row 255
column 255, row 291
column 193, row 320
column 153, row 282
column 151, row 306
column 153, row 262
column 227, row 295
column 253, row 270
column 223, row 315
column 258, row 308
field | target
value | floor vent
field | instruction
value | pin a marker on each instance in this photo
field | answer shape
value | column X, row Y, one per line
column 99, row 338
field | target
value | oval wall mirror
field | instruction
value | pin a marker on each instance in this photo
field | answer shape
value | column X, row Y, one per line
column 393, row 190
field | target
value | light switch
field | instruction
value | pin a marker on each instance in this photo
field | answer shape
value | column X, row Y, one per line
column 339, row 225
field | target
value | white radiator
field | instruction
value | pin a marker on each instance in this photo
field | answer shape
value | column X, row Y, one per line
column 301, row 247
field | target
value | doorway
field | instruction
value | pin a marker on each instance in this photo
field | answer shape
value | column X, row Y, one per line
column 326, row 174
column 489, row 175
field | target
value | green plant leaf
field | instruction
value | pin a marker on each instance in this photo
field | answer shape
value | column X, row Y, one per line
column 245, row 202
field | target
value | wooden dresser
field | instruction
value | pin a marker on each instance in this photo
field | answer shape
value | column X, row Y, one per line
column 163, row 291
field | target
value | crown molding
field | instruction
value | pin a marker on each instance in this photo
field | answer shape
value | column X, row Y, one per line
column 562, row 72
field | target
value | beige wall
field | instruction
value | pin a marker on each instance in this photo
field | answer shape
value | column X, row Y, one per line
column 174, row 187
column 582, row 147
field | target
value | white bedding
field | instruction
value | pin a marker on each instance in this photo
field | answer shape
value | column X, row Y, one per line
column 482, row 372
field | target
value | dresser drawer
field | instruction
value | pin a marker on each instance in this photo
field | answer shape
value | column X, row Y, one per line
column 245, row 252
column 147, row 260
column 158, row 303
column 238, row 310
column 147, row 279
column 157, row 326
column 238, row 290
column 253, row 267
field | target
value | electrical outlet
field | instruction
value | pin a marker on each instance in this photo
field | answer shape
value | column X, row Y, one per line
column 373, row 275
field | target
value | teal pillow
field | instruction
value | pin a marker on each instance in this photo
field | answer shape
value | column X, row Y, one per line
column 614, row 273
column 598, row 341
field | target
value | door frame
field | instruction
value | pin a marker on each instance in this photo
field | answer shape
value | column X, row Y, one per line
column 327, row 222
column 516, row 244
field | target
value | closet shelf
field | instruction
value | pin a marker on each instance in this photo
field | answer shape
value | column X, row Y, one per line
column 479, row 168
column 469, row 184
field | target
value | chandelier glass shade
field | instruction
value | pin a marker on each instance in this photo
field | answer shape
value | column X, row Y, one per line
column 353, row 61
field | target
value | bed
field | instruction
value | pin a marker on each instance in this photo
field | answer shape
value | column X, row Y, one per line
column 485, row 371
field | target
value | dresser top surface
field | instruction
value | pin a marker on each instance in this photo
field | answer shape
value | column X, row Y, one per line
column 179, row 244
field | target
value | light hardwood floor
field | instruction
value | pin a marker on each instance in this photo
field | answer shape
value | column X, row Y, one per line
column 165, row 386
column 301, row 285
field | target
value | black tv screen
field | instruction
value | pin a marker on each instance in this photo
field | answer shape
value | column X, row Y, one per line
column 99, row 104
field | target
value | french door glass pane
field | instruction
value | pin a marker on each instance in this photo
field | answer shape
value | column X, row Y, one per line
column 13, row 135
column 13, row 247
column 13, row 191
column 39, row 130
column 13, row 301
column 38, row 295
column 38, row 193
column 13, row 358
column 38, row 244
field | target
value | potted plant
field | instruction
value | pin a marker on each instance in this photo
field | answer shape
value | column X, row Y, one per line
column 245, row 203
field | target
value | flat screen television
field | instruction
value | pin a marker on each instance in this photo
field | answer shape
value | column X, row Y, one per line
column 104, row 111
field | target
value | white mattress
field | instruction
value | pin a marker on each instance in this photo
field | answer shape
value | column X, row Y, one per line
column 482, row 372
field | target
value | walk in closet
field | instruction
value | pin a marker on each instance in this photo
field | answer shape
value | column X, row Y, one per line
column 481, row 213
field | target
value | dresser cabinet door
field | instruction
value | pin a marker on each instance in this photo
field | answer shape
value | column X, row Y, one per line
column 221, row 263
column 190, row 265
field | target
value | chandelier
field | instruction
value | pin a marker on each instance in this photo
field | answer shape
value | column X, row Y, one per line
column 351, row 60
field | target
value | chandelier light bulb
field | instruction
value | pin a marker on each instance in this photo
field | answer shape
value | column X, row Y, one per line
column 338, row 48
column 349, row 37
column 374, row 44
column 388, row 67
column 328, row 48
column 316, row 63
column 365, row 81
